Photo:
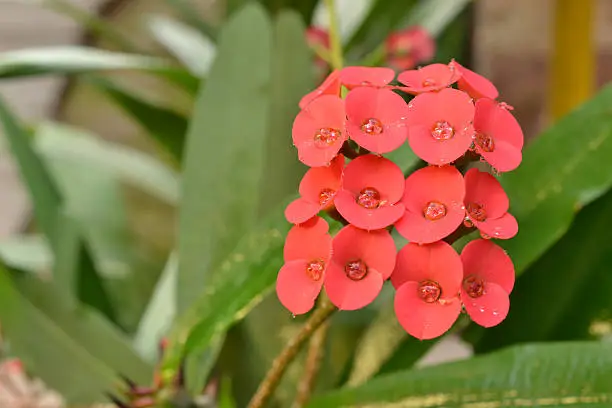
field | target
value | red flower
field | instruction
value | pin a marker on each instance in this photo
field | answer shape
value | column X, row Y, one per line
column 330, row 86
column 361, row 261
column 371, row 189
column 488, row 279
column 307, row 252
column 433, row 197
column 352, row 77
column 317, row 191
column 407, row 48
column 430, row 78
column 499, row 137
column 440, row 125
column 475, row 84
column 376, row 119
column 427, row 279
column 486, row 205
column 318, row 131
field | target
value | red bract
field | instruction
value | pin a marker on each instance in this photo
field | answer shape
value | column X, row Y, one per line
column 499, row 137
column 488, row 279
column 486, row 205
column 352, row 77
column 475, row 84
column 317, row 191
column 361, row 261
column 427, row 279
column 440, row 125
column 371, row 189
column 330, row 86
column 407, row 48
column 430, row 78
column 318, row 131
column 307, row 252
column 376, row 119
column 433, row 197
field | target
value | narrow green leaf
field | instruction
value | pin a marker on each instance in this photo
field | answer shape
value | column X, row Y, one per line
column 225, row 152
column 167, row 127
column 29, row 252
column 576, row 272
column 244, row 278
column 190, row 14
column 74, row 267
column 196, row 51
column 293, row 78
column 95, row 25
column 552, row 375
column 160, row 313
column 62, row 143
column 87, row 353
column 560, row 173
column 435, row 15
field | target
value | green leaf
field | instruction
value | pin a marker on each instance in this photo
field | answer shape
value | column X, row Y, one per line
column 575, row 271
column 95, row 25
column 29, row 252
column 160, row 313
column 74, row 267
column 244, row 279
column 384, row 16
column 64, row 143
column 225, row 152
column 304, row 7
column 560, row 173
column 293, row 78
column 188, row 45
column 435, row 15
column 190, row 14
column 552, row 375
column 167, row 127
column 72, row 349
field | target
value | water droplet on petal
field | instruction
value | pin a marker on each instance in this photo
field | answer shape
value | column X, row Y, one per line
column 326, row 137
column 434, row 211
column 442, row 130
column 429, row 291
column 356, row 270
column 485, row 142
column 473, row 286
column 476, row 212
column 315, row 269
column 369, row 198
column 372, row 126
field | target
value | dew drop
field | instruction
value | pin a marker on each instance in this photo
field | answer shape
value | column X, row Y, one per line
column 468, row 223
column 315, row 269
column 356, row 270
column 473, row 286
column 495, row 313
column 485, row 142
column 434, row 211
column 326, row 137
column 429, row 291
column 442, row 130
column 476, row 212
column 325, row 196
column 369, row 198
column 428, row 82
column 372, row 126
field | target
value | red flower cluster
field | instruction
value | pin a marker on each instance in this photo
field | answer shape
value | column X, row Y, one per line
column 451, row 113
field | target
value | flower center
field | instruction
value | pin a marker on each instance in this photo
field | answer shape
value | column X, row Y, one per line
column 429, row 291
column 434, row 211
column 474, row 286
column 326, row 137
column 315, row 269
column 356, row 270
column 369, row 198
column 485, row 142
column 428, row 82
column 372, row 126
column 442, row 130
column 325, row 196
column 476, row 211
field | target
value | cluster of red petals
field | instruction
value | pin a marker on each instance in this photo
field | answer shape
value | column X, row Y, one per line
column 444, row 112
column 404, row 49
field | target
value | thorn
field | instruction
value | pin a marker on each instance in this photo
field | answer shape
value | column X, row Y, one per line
column 129, row 382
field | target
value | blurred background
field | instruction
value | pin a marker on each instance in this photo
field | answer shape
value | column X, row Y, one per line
column 129, row 216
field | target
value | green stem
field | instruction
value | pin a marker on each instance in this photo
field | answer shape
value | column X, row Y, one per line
column 334, row 36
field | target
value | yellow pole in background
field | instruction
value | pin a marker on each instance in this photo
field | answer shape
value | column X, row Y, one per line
column 572, row 69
